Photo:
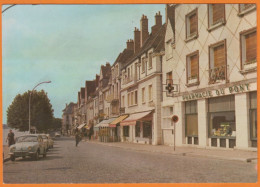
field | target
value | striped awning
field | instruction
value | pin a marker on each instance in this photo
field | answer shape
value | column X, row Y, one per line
column 105, row 123
column 80, row 126
column 117, row 120
column 131, row 120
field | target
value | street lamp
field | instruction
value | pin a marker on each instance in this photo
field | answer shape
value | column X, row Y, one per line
column 30, row 103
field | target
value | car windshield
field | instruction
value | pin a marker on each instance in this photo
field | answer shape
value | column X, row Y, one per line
column 26, row 139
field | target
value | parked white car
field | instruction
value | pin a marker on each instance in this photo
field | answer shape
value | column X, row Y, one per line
column 28, row 145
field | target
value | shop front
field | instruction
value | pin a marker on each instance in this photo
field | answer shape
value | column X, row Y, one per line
column 222, row 121
column 105, row 132
column 138, row 128
column 222, row 118
column 115, row 127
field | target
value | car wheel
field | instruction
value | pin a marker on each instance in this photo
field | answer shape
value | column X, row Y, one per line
column 36, row 156
column 12, row 158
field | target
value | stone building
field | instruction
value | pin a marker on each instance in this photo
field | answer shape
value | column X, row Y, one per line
column 141, row 87
column 210, row 60
column 68, row 118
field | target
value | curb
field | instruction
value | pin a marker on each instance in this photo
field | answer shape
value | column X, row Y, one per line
column 248, row 160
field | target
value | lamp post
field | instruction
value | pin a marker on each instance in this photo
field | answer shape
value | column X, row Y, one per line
column 30, row 103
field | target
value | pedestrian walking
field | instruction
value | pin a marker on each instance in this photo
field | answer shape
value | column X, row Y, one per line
column 77, row 136
column 10, row 138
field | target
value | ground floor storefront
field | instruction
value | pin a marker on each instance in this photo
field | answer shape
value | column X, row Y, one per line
column 220, row 118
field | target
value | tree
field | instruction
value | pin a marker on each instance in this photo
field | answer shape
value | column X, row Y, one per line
column 56, row 124
column 41, row 112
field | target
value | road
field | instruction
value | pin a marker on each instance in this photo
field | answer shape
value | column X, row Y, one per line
column 95, row 163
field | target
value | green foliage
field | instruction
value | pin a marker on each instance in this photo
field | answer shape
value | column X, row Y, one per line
column 41, row 112
column 56, row 124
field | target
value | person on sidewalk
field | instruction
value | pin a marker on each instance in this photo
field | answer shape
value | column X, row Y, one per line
column 77, row 136
column 10, row 138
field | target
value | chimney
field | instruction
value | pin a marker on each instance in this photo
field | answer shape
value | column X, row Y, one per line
column 158, row 19
column 144, row 29
column 107, row 64
column 158, row 23
column 136, row 40
column 130, row 44
column 169, row 13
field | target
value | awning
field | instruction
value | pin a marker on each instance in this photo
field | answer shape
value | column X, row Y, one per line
column 105, row 123
column 80, row 126
column 131, row 120
column 117, row 120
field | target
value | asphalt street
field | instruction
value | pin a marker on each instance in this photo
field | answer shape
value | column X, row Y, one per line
column 95, row 163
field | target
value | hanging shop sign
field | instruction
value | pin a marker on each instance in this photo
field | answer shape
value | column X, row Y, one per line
column 217, row 92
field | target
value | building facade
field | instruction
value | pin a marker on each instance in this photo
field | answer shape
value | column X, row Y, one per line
column 141, row 87
column 68, row 118
column 210, row 60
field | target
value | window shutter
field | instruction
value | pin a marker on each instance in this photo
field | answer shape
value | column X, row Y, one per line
column 219, row 56
column 194, row 65
column 218, row 12
column 250, row 46
column 193, row 24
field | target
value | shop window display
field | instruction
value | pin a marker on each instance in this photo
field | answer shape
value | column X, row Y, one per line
column 126, row 131
column 147, row 129
column 137, row 129
column 222, row 122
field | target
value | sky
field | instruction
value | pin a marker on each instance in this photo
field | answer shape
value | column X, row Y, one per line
column 64, row 44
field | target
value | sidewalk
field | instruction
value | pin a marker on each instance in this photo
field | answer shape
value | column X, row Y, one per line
column 233, row 154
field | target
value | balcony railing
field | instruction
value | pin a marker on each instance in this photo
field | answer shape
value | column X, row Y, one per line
column 217, row 74
column 112, row 97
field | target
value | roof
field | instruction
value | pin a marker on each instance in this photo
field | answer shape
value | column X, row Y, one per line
column 69, row 108
column 155, row 41
column 124, row 56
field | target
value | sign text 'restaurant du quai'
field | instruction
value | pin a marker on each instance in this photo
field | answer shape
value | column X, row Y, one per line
column 217, row 92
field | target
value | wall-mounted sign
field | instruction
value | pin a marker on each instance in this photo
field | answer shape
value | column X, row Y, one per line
column 218, row 92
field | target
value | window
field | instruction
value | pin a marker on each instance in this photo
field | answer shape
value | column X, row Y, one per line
column 143, row 65
column 192, row 24
column 150, row 61
column 123, row 101
column 150, row 92
column 147, row 129
column 128, row 74
column 137, row 129
column 248, row 43
column 216, row 15
column 128, row 100
column 132, row 98
column 136, row 98
column 253, row 118
column 143, row 95
column 217, row 62
column 222, row 122
column 192, row 63
column 191, row 119
column 126, row 131
column 245, row 8
column 169, row 77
